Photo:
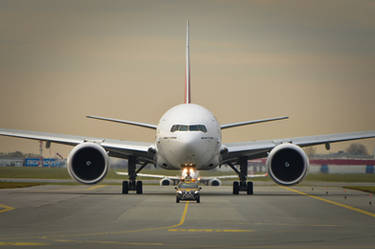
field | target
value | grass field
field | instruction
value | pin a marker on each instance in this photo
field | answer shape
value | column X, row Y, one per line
column 341, row 177
column 18, row 184
column 370, row 189
column 62, row 173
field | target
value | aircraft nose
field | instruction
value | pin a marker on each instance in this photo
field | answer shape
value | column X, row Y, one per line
column 190, row 142
column 189, row 147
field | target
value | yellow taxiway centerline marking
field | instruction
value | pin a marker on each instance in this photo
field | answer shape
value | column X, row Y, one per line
column 22, row 244
column 5, row 208
column 182, row 221
column 96, row 187
column 209, row 230
column 331, row 202
column 110, row 242
column 182, row 217
column 324, row 225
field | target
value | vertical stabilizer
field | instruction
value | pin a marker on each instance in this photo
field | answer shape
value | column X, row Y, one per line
column 187, row 69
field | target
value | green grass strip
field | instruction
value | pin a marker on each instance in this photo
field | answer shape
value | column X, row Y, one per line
column 369, row 189
column 4, row 185
column 62, row 173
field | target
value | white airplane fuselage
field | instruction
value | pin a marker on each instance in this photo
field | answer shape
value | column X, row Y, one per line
column 188, row 135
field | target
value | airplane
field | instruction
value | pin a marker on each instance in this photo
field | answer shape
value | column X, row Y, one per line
column 187, row 136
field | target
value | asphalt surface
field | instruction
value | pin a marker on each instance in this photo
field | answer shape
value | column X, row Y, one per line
column 100, row 217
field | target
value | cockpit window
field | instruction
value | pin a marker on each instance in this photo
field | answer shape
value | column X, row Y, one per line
column 201, row 128
column 198, row 128
column 179, row 128
column 174, row 128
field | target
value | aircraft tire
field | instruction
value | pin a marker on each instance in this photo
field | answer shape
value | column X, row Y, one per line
column 236, row 188
column 250, row 188
column 125, row 187
column 139, row 187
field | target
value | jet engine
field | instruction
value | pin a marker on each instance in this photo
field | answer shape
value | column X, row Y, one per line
column 166, row 182
column 214, row 182
column 88, row 163
column 287, row 164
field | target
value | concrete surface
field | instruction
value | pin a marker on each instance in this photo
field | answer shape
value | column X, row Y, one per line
column 100, row 217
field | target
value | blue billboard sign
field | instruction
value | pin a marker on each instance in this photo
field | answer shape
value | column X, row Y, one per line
column 47, row 162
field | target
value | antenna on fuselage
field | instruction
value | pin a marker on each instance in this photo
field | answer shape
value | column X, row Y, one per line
column 187, row 69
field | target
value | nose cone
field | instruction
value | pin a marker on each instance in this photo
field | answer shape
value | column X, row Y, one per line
column 186, row 148
column 189, row 147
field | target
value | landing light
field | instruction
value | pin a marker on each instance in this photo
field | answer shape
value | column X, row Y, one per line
column 184, row 171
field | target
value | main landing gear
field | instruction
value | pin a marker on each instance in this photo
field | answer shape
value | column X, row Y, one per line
column 242, row 185
column 133, row 184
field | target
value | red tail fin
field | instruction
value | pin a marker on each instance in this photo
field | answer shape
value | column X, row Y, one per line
column 187, row 69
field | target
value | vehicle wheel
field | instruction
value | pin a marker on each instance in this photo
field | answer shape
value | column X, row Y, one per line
column 125, row 187
column 250, row 188
column 236, row 188
column 198, row 199
column 177, row 199
column 139, row 187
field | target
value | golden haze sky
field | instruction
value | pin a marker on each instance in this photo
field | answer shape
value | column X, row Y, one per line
column 311, row 60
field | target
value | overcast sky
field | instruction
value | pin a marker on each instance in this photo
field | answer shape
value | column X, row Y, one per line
column 311, row 60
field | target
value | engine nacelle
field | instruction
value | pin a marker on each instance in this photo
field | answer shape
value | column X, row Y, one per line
column 287, row 164
column 214, row 182
column 166, row 182
column 88, row 163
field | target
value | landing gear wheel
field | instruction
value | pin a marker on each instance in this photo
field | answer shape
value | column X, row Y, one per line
column 125, row 187
column 177, row 199
column 139, row 187
column 198, row 199
column 250, row 188
column 236, row 188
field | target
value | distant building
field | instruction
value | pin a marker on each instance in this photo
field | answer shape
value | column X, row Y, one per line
column 11, row 162
column 342, row 166
column 333, row 163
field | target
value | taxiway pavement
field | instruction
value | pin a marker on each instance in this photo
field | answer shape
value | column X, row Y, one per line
column 55, row 216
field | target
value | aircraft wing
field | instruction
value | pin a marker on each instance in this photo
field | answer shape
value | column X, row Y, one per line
column 149, row 175
column 236, row 176
column 259, row 149
column 204, row 178
column 207, row 179
column 116, row 148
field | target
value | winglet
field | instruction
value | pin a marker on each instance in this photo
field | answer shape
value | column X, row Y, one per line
column 187, row 67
